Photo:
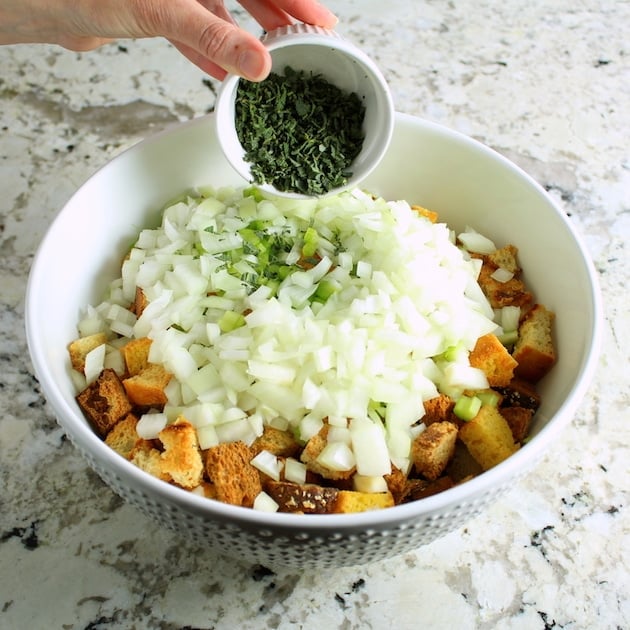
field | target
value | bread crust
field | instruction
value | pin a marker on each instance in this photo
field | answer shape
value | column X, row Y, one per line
column 104, row 402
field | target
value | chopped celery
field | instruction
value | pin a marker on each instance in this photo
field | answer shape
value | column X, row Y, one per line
column 254, row 192
column 452, row 353
column 508, row 338
column 324, row 290
column 467, row 407
column 489, row 398
column 310, row 242
column 231, row 320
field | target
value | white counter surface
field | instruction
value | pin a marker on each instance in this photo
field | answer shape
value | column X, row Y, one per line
column 545, row 83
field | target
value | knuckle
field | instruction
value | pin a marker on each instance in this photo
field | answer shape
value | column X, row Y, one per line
column 217, row 39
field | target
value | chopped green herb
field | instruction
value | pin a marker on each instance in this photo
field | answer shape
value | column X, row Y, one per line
column 299, row 132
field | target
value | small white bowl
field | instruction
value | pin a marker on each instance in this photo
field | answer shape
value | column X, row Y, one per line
column 323, row 52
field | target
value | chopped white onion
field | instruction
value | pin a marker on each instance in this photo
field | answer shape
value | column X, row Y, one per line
column 501, row 275
column 370, row 448
column 510, row 317
column 94, row 363
column 264, row 503
column 294, row 471
column 475, row 242
column 337, row 456
column 150, row 424
column 361, row 483
column 383, row 321
column 268, row 464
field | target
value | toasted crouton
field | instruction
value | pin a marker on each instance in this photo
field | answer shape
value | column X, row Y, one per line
column 488, row 437
column 147, row 457
column 229, row 469
column 500, row 294
column 462, row 465
column 181, row 458
column 505, row 258
column 146, row 389
column 80, row 348
column 139, row 302
column 534, row 349
column 396, row 483
column 301, row 498
column 350, row 501
column 417, row 489
column 493, row 359
column 439, row 409
column 136, row 355
column 206, row 489
column 104, row 402
column 311, row 452
column 280, row 443
column 433, row 448
column 123, row 436
column 518, row 419
column 520, row 393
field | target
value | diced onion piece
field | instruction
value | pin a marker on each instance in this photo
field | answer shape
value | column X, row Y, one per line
column 464, row 377
column 510, row 317
column 475, row 242
column 236, row 431
column 268, row 464
column 150, row 424
column 294, row 471
column 94, row 363
column 114, row 360
column 337, row 456
column 264, row 503
column 370, row 449
column 207, row 437
column 310, row 426
column 361, row 483
column 364, row 269
column 339, row 434
column 501, row 275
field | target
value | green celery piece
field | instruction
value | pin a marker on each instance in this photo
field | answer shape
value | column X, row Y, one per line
column 467, row 407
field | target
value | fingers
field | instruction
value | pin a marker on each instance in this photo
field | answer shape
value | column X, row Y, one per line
column 206, row 34
column 234, row 50
column 209, row 67
column 212, row 42
column 272, row 14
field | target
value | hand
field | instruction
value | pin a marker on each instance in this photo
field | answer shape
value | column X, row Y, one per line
column 202, row 30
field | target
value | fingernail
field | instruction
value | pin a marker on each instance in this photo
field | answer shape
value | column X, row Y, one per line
column 328, row 17
column 252, row 65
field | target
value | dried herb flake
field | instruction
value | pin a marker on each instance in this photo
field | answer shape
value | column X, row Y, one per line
column 300, row 132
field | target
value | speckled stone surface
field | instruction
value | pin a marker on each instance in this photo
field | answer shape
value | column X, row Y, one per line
column 545, row 83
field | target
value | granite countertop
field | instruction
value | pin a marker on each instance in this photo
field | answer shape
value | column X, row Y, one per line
column 545, row 83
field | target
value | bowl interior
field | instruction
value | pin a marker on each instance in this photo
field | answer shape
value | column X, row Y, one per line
column 465, row 182
column 343, row 65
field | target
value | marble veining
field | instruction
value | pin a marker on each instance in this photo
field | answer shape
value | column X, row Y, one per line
column 546, row 84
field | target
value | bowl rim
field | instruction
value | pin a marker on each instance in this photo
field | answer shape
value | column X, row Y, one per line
column 82, row 436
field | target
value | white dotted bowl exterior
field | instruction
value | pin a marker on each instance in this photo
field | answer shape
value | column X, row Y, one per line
column 464, row 181
column 317, row 50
